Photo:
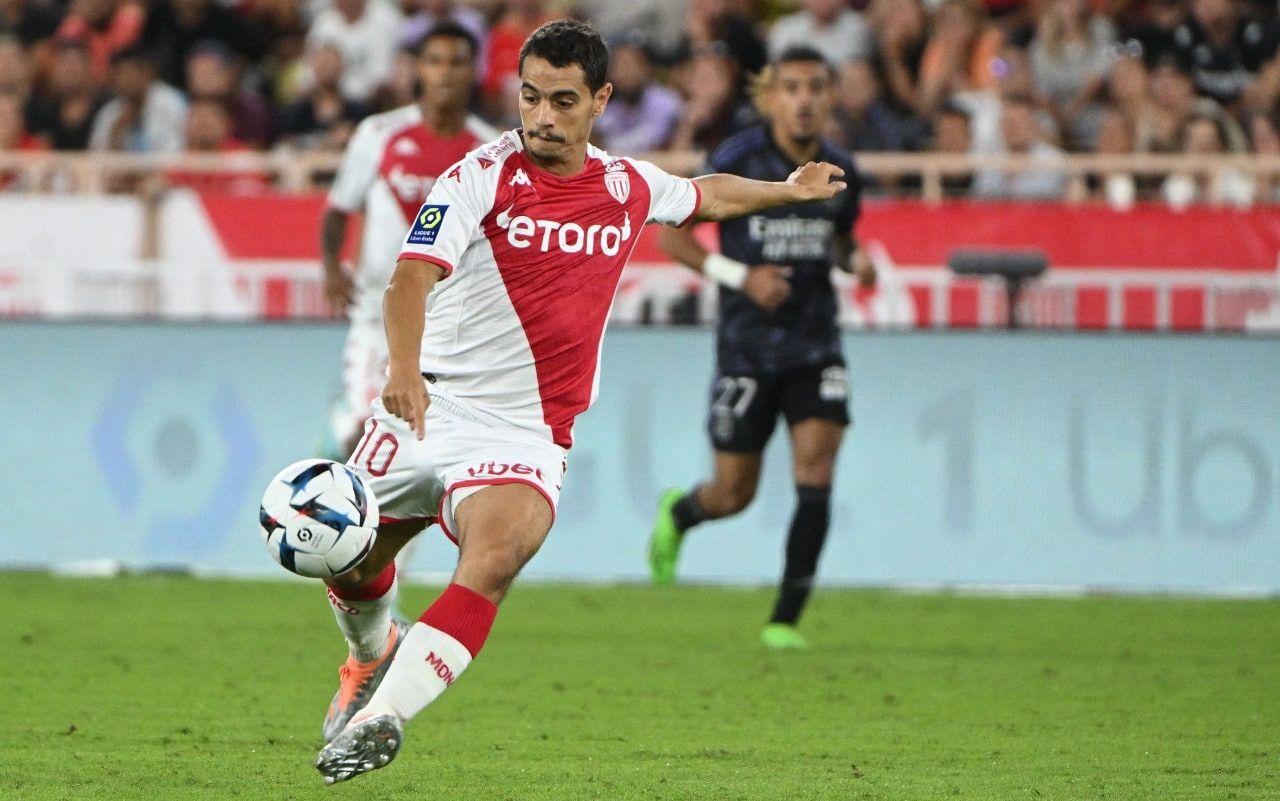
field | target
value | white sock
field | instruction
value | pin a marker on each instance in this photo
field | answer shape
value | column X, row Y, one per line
column 426, row 664
column 365, row 624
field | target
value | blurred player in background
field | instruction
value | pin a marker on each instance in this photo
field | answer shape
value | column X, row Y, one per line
column 388, row 168
column 494, row 317
column 777, row 344
column 390, row 165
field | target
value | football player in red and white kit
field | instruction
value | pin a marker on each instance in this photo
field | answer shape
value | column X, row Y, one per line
column 387, row 171
column 494, row 319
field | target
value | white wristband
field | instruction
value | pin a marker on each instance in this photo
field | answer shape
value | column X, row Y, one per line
column 724, row 270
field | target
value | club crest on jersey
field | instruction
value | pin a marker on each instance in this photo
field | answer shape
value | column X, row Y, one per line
column 617, row 181
column 427, row 224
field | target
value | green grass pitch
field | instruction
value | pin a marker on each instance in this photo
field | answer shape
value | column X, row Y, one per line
column 164, row 687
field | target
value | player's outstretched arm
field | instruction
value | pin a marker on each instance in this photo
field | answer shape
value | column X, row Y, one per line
column 404, row 308
column 768, row 285
column 725, row 196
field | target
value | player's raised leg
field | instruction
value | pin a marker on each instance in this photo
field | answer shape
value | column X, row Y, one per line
column 727, row 493
column 499, row 529
column 362, row 601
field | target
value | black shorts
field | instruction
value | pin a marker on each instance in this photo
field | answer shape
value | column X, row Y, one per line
column 745, row 408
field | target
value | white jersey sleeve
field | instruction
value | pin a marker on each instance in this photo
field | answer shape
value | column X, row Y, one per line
column 672, row 200
column 358, row 169
column 449, row 221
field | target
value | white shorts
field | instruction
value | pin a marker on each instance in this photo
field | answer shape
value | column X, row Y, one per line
column 465, row 450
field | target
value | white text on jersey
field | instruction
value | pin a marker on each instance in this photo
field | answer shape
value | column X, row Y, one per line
column 523, row 232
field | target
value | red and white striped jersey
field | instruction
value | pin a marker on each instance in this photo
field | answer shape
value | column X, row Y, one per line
column 532, row 261
column 388, row 169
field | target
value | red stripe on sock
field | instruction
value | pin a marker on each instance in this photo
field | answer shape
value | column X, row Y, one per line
column 464, row 615
column 371, row 591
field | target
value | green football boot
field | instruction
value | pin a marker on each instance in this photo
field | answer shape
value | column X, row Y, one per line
column 783, row 637
column 664, row 544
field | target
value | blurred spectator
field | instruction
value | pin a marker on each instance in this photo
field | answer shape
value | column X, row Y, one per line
column 105, row 26
column 714, row 108
column 14, row 137
column 367, row 32
column 15, row 69
column 277, row 27
column 1129, row 90
column 144, row 115
column 30, row 21
column 953, row 134
column 208, row 131
column 1016, row 19
column 500, row 87
column 1148, row 25
column 959, row 55
column 322, row 119
column 1176, row 103
column 212, row 75
column 1205, row 135
column 1015, row 75
column 860, row 120
column 642, row 113
column 62, row 114
column 901, row 29
column 659, row 21
column 1222, row 51
column 1072, row 50
column 1013, row 78
column 402, row 88
column 176, row 27
column 1044, row 179
column 708, row 22
column 426, row 13
column 1116, row 137
column 830, row 26
column 1264, row 140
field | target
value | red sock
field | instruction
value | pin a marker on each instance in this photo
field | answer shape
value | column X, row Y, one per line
column 371, row 591
column 464, row 615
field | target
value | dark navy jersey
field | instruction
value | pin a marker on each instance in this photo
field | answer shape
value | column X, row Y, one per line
column 803, row 331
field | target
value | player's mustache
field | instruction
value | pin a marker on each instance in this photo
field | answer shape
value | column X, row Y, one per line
column 547, row 135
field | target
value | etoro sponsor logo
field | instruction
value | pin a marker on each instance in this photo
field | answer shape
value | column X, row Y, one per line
column 567, row 237
column 410, row 188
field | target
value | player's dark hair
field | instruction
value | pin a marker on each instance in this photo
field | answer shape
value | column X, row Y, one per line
column 565, row 42
column 759, row 84
column 806, row 54
column 450, row 30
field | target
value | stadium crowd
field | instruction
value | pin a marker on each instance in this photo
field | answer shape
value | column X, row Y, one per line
column 1039, row 78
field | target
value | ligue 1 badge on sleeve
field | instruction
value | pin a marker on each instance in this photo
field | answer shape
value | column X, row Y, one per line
column 427, row 224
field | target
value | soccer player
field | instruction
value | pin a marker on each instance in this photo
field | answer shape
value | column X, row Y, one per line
column 777, row 343
column 494, row 319
column 390, row 165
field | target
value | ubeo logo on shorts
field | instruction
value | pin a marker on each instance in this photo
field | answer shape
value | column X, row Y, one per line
column 427, row 224
column 504, row 469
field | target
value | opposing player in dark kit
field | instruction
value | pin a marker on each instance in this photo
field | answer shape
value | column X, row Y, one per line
column 778, row 347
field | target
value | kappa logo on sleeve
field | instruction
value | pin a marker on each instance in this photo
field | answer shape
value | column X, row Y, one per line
column 426, row 225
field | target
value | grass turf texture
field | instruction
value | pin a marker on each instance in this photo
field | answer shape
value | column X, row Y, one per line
column 154, row 687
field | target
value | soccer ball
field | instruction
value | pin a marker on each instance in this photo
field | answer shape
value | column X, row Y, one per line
column 318, row 518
